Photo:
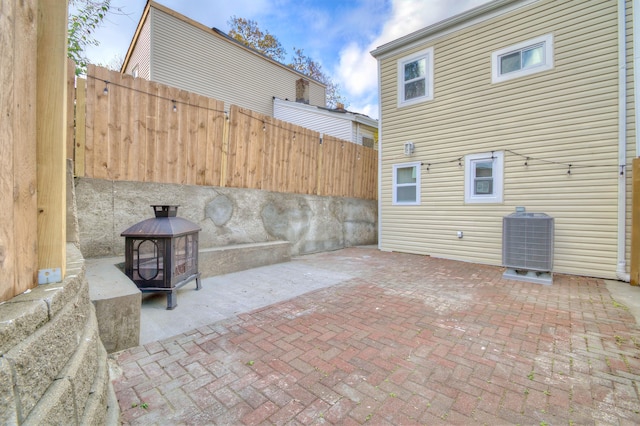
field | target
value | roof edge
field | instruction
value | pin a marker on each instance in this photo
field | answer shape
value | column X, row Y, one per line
column 134, row 40
column 343, row 115
column 472, row 16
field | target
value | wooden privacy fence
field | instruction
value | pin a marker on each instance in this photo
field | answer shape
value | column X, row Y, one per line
column 137, row 130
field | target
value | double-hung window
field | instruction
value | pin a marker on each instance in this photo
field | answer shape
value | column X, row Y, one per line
column 484, row 177
column 415, row 78
column 522, row 59
column 406, row 184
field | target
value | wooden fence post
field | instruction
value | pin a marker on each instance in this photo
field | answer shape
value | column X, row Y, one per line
column 51, row 111
column 635, row 224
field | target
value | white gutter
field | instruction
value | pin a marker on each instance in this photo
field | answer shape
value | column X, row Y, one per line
column 621, row 271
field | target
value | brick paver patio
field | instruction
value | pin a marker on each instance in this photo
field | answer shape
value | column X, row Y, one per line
column 411, row 340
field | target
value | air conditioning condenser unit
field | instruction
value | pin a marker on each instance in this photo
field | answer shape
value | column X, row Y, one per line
column 527, row 247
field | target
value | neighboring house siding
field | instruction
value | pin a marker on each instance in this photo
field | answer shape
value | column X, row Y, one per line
column 317, row 121
column 566, row 115
column 141, row 56
column 191, row 58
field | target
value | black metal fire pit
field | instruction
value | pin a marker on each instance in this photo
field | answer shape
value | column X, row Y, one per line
column 161, row 253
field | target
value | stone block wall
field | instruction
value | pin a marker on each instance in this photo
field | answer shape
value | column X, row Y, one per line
column 53, row 366
column 227, row 216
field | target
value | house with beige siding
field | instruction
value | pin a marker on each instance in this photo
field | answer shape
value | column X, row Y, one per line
column 514, row 105
column 337, row 122
column 172, row 49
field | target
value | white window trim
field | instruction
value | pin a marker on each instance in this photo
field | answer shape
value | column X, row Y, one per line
column 395, row 201
column 498, row 177
column 428, row 55
column 545, row 40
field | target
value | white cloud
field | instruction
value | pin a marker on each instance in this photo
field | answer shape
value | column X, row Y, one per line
column 357, row 70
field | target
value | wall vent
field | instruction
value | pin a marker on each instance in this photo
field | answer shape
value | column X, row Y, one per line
column 527, row 243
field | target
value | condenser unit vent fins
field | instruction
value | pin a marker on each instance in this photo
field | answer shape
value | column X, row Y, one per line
column 527, row 242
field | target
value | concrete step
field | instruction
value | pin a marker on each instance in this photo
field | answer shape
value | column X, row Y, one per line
column 117, row 299
column 240, row 257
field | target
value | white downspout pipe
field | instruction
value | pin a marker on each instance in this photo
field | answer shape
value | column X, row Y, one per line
column 621, row 271
column 379, row 155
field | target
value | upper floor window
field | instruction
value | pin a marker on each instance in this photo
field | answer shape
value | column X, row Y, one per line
column 415, row 78
column 522, row 59
column 406, row 183
column 483, row 177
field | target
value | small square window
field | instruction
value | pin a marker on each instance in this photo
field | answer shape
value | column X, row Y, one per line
column 483, row 178
column 406, row 183
column 522, row 59
column 415, row 78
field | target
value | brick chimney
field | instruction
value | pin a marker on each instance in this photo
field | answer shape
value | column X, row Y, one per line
column 302, row 91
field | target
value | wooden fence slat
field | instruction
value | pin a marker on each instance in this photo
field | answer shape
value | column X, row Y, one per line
column 70, row 103
column 101, row 147
column 193, row 144
column 137, row 152
column 80, row 127
column 129, row 152
column 118, row 116
column 151, row 139
column 90, row 122
column 182, row 138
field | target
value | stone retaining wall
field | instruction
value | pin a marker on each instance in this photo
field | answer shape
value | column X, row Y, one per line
column 228, row 216
column 53, row 366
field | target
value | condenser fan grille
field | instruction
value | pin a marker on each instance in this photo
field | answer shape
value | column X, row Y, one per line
column 527, row 241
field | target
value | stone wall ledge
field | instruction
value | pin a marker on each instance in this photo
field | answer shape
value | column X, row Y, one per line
column 50, row 355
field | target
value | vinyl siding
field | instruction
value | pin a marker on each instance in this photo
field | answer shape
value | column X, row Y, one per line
column 192, row 58
column 315, row 120
column 566, row 115
column 141, row 55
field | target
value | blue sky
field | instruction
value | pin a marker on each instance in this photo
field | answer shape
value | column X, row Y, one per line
column 339, row 34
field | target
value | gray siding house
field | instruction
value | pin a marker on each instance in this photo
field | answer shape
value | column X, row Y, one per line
column 174, row 50
column 340, row 123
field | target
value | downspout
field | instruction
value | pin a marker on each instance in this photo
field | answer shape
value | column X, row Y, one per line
column 621, row 271
column 379, row 156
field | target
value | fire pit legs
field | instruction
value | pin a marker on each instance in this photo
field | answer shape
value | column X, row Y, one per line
column 172, row 297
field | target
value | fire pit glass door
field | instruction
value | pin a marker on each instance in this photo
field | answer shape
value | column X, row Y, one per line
column 185, row 251
column 148, row 262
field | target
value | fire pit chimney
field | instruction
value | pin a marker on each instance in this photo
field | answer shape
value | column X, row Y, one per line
column 165, row 211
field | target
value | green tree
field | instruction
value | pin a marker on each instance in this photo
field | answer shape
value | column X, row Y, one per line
column 313, row 69
column 247, row 32
column 86, row 18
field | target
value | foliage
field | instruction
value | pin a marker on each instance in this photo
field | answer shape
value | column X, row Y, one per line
column 308, row 66
column 82, row 23
column 247, row 32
